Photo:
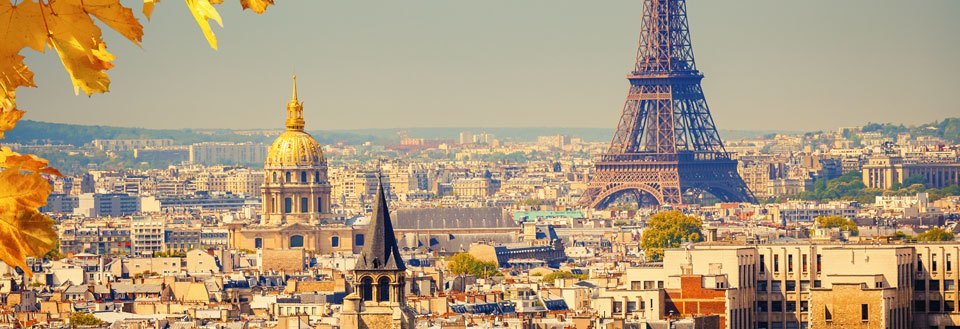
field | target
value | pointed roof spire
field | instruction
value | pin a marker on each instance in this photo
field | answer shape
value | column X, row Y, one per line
column 294, row 97
column 380, row 252
column 294, row 110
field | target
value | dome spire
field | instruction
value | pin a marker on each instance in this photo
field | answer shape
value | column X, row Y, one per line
column 294, row 97
column 295, row 110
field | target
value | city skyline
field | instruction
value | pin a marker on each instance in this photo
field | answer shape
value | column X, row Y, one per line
column 429, row 77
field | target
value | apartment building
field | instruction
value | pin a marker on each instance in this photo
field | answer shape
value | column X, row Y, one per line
column 796, row 285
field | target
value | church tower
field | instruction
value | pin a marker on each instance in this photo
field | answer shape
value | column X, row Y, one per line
column 295, row 186
column 378, row 278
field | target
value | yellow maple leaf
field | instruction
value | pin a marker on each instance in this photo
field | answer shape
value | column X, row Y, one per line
column 8, row 119
column 203, row 11
column 21, row 26
column 115, row 15
column 77, row 40
column 37, row 232
column 28, row 162
column 24, row 232
column 27, row 233
column 258, row 6
column 148, row 7
column 20, row 190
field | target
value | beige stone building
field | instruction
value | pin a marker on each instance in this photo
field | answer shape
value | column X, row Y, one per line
column 885, row 172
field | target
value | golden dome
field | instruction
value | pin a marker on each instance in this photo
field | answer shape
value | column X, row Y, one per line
column 295, row 147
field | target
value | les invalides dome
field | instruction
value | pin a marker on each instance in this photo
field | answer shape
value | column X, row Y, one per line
column 296, row 188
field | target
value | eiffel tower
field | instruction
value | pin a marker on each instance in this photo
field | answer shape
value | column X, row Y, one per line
column 666, row 144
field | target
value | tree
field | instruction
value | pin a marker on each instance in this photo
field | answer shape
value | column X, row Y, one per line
column 913, row 180
column 667, row 230
column 465, row 264
column 79, row 319
column 561, row 275
column 842, row 223
column 935, row 234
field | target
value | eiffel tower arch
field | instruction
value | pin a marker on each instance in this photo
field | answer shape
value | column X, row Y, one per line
column 666, row 144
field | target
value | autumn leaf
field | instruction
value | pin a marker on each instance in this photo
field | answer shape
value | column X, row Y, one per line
column 26, row 234
column 8, row 119
column 258, row 6
column 148, row 7
column 203, row 11
column 37, row 232
column 115, row 15
column 29, row 162
column 20, row 26
column 20, row 190
column 78, row 42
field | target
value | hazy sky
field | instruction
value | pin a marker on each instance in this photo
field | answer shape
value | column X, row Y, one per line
column 788, row 65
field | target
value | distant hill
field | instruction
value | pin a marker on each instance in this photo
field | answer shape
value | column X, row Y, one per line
column 948, row 129
column 29, row 132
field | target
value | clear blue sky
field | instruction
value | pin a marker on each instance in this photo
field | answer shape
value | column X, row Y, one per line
column 786, row 65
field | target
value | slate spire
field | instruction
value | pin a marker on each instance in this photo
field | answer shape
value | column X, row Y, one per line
column 380, row 251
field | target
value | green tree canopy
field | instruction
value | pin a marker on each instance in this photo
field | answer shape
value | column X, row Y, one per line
column 935, row 234
column 79, row 319
column 842, row 223
column 561, row 275
column 668, row 230
column 464, row 263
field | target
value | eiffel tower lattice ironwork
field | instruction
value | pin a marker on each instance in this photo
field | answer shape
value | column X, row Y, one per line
column 666, row 143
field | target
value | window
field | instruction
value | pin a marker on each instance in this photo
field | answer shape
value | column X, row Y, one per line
column 919, row 285
column 631, row 306
column 335, row 241
column 776, row 263
column 817, row 284
column 358, row 241
column 304, row 206
column 934, row 285
column 791, row 285
column 803, row 266
column 949, row 263
column 789, row 263
column 919, row 263
column 763, row 264
column 287, row 205
column 948, row 285
column 804, row 285
column 258, row 243
column 287, row 177
column 366, row 288
column 804, row 305
column 919, row 306
column 316, row 177
column 319, row 204
column 775, row 286
column 296, row 241
column 303, row 177
column 761, row 306
column 819, row 262
column 791, row 306
column 383, row 289
column 864, row 312
column 948, row 306
column 933, row 262
column 762, row 286
column 776, row 306
column 934, row 306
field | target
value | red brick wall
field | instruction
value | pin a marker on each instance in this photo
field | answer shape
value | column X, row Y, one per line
column 693, row 299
